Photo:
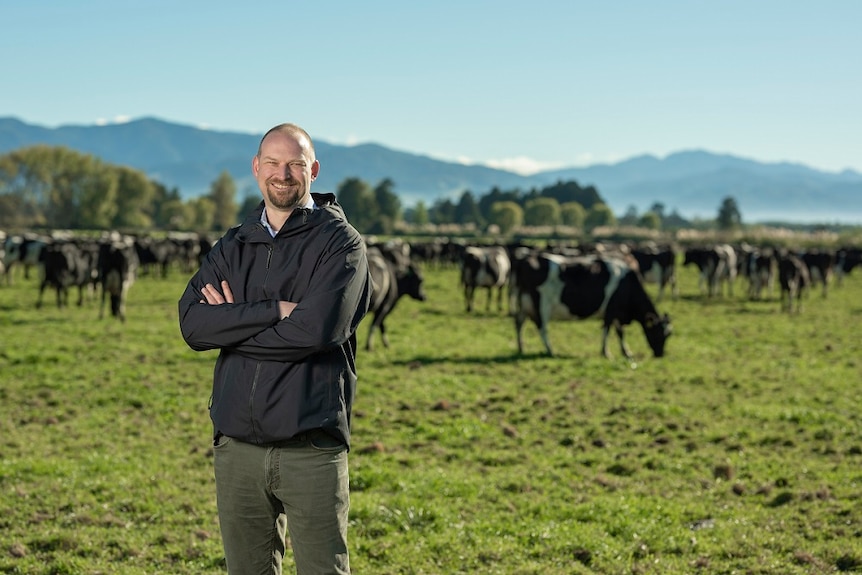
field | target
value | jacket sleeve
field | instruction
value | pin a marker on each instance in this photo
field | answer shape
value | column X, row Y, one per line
column 205, row 327
column 337, row 299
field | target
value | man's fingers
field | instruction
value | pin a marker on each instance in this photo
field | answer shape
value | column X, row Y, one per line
column 228, row 294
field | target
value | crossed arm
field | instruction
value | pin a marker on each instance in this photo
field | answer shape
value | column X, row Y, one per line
column 214, row 297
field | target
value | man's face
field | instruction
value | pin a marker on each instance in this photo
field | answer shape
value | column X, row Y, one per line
column 284, row 171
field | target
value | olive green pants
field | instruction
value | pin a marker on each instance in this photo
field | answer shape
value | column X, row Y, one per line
column 298, row 488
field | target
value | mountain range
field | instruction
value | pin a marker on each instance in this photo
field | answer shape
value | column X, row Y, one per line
column 692, row 183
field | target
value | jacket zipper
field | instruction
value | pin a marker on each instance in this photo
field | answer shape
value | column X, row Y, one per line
column 257, row 367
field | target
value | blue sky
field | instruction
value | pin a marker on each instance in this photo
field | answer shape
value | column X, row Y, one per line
column 525, row 86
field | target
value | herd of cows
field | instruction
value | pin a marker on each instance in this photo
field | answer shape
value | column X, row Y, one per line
column 604, row 280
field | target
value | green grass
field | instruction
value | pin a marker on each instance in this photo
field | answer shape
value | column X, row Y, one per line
column 739, row 452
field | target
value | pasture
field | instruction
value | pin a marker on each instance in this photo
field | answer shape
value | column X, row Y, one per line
column 738, row 452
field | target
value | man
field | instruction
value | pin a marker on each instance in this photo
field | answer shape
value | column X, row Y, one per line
column 281, row 297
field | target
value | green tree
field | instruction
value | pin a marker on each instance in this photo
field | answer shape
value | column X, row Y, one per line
column 357, row 200
column 222, row 193
column 443, row 212
column 420, row 214
column 467, row 210
column 599, row 215
column 507, row 216
column 202, row 212
column 650, row 220
column 542, row 211
column 729, row 217
column 388, row 206
column 135, row 195
column 573, row 214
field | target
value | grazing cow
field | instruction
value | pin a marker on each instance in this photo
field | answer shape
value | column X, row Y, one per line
column 658, row 266
column 64, row 265
column 846, row 259
column 22, row 250
column 758, row 265
column 118, row 265
column 820, row 267
column 717, row 265
column 550, row 286
column 391, row 278
column 485, row 267
column 794, row 280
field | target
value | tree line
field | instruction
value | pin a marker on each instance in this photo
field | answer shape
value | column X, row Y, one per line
column 57, row 187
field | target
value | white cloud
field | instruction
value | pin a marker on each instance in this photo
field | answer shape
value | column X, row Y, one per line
column 116, row 120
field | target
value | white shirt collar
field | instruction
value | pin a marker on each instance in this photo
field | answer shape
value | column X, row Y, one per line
column 310, row 205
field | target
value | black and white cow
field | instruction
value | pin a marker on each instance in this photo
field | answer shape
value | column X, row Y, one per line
column 549, row 286
column 24, row 250
column 485, row 267
column 391, row 278
column 658, row 265
column 794, row 279
column 118, row 266
column 63, row 266
column 820, row 266
column 758, row 265
column 846, row 258
column 717, row 266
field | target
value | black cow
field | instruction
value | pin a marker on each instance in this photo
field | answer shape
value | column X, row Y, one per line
column 717, row 265
column 64, row 265
column 846, row 258
column 118, row 266
column 658, row 265
column 391, row 278
column 820, row 266
column 794, row 280
column 485, row 267
column 550, row 286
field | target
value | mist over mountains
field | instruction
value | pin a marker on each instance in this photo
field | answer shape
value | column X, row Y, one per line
column 692, row 183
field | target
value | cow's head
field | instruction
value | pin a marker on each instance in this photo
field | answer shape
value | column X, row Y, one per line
column 657, row 330
column 410, row 283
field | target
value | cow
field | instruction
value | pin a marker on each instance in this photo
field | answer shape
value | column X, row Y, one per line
column 62, row 264
column 118, row 266
column 658, row 265
column 717, row 265
column 820, row 266
column 485, row 267
column 794, row 280
column 758, row 265
column 550, row 286
column 846, row 258
column 23, row 250
column 391, row 278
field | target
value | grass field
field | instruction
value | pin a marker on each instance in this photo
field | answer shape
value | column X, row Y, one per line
column 738, row 452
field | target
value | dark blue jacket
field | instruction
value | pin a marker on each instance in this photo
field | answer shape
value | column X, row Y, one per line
column 277, row 378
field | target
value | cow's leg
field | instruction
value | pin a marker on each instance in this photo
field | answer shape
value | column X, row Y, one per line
column 623, row 347
column 41, row 292
column 519, row 326
column 383, row 335
column 543, row 333
column 605, row 331
column 468, row 296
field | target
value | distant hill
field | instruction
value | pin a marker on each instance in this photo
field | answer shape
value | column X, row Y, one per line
column 693, row 183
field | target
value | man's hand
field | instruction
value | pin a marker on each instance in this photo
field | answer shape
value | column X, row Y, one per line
column 214, row 297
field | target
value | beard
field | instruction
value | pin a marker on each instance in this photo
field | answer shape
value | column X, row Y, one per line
column 285, row 195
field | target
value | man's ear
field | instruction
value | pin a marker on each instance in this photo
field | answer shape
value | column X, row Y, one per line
column 255, row 165
column 315, row 169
